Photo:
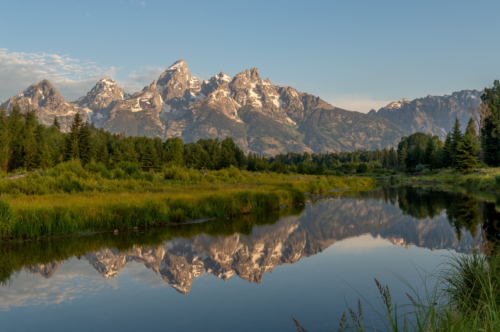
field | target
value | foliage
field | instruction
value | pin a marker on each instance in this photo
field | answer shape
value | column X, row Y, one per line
column 466, row 156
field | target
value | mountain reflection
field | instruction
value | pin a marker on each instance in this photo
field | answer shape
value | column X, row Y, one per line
column 247, row 248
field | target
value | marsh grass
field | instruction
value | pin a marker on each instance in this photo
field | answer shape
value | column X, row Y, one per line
column 70, row 198
column 14, row 256
column 466, row 297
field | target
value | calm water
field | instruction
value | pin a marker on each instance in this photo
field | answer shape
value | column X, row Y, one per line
column 248, row 274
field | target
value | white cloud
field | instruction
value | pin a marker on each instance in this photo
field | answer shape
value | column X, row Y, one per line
column 357, row 103
column 72, row 78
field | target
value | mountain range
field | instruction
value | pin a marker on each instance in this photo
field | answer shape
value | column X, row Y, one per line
column 432, row 114
column 261, row 117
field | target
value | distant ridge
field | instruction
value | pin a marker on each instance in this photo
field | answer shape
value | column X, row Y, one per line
column 261, row 117
column 431, row 114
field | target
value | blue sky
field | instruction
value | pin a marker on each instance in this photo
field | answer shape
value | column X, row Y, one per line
column 354, row 54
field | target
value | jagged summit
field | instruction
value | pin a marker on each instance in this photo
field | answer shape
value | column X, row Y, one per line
column 261, row 117
column 48, row 103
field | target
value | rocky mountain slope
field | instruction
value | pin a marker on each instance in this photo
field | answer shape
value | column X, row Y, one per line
column 48, row 103
column 432, row 114
column 261, row 117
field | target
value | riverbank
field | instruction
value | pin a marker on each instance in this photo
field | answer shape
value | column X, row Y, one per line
column 486, row 180
column 70, row 199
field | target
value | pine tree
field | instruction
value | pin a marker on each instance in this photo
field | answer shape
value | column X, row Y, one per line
column 85, row 144
column 446, row 152
column 468, row 148
column 28, row 142
column 430, row 147
column 15, row 122
column 150, row 160
column 491, row 98
column 56, row 123
column 456, row 138
column 490, row 144
column 72, row 139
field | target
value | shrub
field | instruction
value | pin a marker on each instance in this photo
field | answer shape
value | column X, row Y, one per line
column 98, row 168
column 118, row 173
column 132, row 169
column 362, row 168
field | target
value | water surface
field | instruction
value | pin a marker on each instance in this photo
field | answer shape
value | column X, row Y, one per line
column 247, row 274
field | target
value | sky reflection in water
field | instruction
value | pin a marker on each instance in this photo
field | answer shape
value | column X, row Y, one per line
column 306, row 265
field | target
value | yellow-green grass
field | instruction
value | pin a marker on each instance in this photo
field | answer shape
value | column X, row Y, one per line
column 17, row 255
column 487, row 179
column 163, row 202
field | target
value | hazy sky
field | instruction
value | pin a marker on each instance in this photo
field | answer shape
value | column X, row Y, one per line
column 354, row 54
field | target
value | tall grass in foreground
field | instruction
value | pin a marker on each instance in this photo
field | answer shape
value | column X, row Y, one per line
column 65, row 214
column 70, row 198
column 466, row 298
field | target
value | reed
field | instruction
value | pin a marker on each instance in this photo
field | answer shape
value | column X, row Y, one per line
column 70, row 198
column 465, row 298
column 14, row 256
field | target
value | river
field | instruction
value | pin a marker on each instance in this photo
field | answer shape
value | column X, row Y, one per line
column 245, row 274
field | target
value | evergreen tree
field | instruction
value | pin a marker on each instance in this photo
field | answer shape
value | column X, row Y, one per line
column 56, row 123
column 73, row 138
column 491, row 98
column 490, row 144
column 44, row 157
column 468, row 148
column 15, row 123
column 393, row 158
column 28, row 142
column 85, row 144
column 456, row 138
column 430, row 147
column 150, row 160
column 446, row 152
column 174, row 148
column 402, row 153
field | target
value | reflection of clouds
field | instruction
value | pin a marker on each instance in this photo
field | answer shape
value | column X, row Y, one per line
column 72, row 280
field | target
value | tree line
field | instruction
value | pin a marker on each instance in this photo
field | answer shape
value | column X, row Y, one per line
column 24, row 143
column 478, row 145
column 27, row 144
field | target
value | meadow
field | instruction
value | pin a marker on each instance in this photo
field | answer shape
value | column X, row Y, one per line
column 70, row 198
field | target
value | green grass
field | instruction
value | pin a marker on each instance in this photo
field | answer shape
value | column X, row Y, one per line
column 487, row 179
column 72, row 199
column 14, row 256
column 465, row 298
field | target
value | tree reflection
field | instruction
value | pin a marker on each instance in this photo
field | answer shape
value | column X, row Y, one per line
column 464, row 211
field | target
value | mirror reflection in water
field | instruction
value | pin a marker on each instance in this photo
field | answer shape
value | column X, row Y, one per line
column 244, row 274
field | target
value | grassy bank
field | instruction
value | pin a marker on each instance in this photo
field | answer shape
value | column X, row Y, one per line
column 487, row 179
column 14, row 256
column 72, row 199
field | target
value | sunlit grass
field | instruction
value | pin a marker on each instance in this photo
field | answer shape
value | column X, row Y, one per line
column 70, row 198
